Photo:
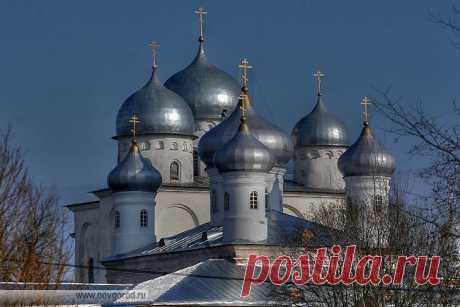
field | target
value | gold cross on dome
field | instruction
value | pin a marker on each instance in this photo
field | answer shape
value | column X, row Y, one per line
column 365, row 103
column 201, row 12
column 318, row 76
column 134, row 120
column 244, row 65
column 243, row 105
column 154, row 46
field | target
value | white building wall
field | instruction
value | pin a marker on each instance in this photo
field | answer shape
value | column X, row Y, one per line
column 370, row 195
column 240, row 221
column 176, row 210
column 162, row 150
column 201, row 127
column 216, row 196
column 93, row 237
column 306, row 205
column 362, row 190
column 316, row 167
column 130, row 234
column 274, row 183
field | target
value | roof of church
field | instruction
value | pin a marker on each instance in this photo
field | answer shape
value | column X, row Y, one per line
column 283, row 229
column 208, row 283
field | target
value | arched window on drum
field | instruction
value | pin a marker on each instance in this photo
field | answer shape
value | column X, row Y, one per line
column 174, row 171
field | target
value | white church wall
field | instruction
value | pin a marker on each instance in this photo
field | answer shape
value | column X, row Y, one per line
column 129, row 233
column 216, row 198
column 316, row 167
column 162, row 151
column 245, row 217
column 364, row 189
column 93, row 238
column 305, row 205
column 201, row 127
column 178, row 210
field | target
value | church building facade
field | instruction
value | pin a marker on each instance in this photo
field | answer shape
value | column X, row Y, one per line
column 201, row 175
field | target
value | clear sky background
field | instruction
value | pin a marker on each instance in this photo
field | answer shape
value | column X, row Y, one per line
column 67, row 66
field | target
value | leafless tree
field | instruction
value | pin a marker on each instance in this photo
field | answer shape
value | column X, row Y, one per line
column 389, row 231
column 32, row 224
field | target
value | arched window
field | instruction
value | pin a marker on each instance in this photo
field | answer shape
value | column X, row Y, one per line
column 378, row 200
column 144, row 218
column 378, row 203
column 253, row 201
column 117, row 219
column 144, row 146
column 90, row 270
column 174, row 171
column 196, row 163
column 174, row 146
column 214, row 201
column 267, row 201
column 226, row 201
column 160, row 145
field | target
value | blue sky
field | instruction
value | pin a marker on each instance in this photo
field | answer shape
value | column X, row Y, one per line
column 66, row 67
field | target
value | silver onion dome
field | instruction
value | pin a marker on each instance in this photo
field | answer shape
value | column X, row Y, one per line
column 208, row 90
column 244, row 153
column 275, row 139
column 320, row 128
column 159, row 109
column 134, row 173
column 366, row 157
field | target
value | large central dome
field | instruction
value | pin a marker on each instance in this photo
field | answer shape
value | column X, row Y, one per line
column 159, row 109
column 208, row 90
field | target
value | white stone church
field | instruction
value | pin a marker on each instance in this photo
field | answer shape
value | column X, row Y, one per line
column 204, row 178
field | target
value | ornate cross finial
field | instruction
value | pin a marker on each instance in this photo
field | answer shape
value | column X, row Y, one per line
column 365, row 103
column 244, row 65
column 318, row 76
column 154, row 46
column 243, row 97
column 201, row 12
column 244, row 119
column 134, row 120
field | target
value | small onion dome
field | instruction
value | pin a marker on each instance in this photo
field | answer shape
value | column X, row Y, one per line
column 319, row 128
column 159, row 109
column 208, row 90
column 275, row 139
column 134, row 173
column 366, row 157
column 244, row 153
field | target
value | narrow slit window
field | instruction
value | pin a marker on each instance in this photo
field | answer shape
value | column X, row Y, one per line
column 117, row 219
column 253, row 200
column 174, row 171
column 226, row 201
column 144, row 218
